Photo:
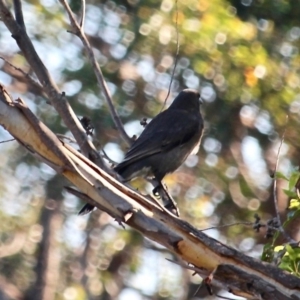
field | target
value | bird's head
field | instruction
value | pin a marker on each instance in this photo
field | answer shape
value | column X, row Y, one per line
column 187, row 99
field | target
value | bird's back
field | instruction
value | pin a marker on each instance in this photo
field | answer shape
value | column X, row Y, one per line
column 164, row 144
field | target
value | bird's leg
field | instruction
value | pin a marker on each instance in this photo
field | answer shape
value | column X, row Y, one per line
column 168, row 202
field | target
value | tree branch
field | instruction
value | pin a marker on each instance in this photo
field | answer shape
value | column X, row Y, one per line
column 19, row 14
column 78, row 30
column 58, row 100
column 82, row 20
column 227, row 268
column 280, row 227
column 176, row 55
column 21, row 76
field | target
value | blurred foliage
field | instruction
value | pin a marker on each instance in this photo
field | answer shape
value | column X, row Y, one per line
column 243, row 56
column 286, row 256
column 290, row 260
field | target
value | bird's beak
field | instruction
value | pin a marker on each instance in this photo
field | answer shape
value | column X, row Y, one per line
column 201, row 100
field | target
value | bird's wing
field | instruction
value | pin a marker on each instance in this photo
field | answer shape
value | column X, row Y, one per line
column 167, row 130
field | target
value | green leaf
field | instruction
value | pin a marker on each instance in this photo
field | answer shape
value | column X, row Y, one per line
column 293, row 214
column 293, row 179
column 279, row 175
column 294, row 252
column 286, row 264
column 290, row 193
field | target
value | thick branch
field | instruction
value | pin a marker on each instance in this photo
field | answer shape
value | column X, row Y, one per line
column 228, row 268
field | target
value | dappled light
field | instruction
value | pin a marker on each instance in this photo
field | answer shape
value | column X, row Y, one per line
column 243, row 57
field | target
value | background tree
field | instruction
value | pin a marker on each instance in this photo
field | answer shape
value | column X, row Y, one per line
column 244, row 58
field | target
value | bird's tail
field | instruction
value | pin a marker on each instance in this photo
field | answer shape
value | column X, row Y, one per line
column 129, row 171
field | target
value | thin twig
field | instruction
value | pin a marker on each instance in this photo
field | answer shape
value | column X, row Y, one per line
column 30, row 79
column 229, row 225
column 275, row 187
column 108, row 158
column 82, row 14
column 2, row 142
column 100, row 78
column 242, row 223
column 104, row 154
column 15, row 67
column 70, row 139
column 176, row 56
column 19, row 14
column 201, row 272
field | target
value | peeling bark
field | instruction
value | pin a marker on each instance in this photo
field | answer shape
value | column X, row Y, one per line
column 220, row 265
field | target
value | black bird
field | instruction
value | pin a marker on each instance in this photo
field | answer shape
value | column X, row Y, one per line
column 166, row 141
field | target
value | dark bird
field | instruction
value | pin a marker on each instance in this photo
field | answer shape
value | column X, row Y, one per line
column 166, row 141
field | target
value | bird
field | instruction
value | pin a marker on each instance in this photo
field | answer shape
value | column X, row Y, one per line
column 165, row 143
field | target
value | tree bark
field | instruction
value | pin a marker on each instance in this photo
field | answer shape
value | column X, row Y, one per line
column 219, row 264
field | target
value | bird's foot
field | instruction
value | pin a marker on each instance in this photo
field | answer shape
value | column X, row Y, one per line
column 161, row 192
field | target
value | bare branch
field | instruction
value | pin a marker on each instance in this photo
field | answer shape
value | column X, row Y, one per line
column 229, row 225
column 64, row 137
column 228, row 268
column 2, row 142
column 280, row 227
column 176, row 56
column 77, row 30
column 18, row 69
column 19, row 14
column 201, row 272
column 17, row 74
column 57, row 99
column 82, row 14
column 108, row 158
